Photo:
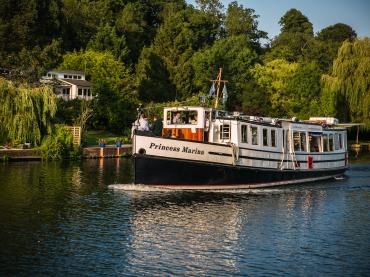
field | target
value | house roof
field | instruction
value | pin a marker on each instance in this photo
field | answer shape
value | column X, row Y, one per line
column 67, row 71
column 80, row 83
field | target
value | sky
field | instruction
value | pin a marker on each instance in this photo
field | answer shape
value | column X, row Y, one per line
column 321, row 13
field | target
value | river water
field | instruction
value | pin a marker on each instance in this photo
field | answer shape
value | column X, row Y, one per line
column 76, row 219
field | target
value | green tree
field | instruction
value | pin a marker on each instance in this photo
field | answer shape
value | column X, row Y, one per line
column 107, row 39
column 294, row 21
column 304, row 91
column 294, row 40
column 81, row 21
column 350, row 79
column 337, row 33
column 98, row 66
column 26, row 112
column 116, row 96
column 240, row 20
column 235, row 56
column 327, row 43
column 273, row 78
column 153, row 78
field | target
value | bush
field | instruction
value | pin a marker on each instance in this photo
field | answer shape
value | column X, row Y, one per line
column 59, row 145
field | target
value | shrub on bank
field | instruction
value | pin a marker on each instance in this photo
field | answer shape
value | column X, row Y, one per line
column 59, row 145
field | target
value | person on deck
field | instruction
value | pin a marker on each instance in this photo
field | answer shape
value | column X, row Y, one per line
column 143, row 123
column 177, row 119
column 157, row 126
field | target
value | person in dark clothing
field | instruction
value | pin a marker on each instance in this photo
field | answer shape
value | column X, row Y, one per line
column 157, row 126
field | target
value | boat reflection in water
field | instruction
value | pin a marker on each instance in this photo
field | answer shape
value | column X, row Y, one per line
column 217, row 232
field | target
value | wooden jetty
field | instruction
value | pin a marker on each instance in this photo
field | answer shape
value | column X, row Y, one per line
column 94, row 152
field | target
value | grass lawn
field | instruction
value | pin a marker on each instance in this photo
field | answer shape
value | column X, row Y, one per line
column 92, row 137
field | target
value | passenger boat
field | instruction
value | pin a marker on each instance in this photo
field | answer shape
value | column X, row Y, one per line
column 208, row 148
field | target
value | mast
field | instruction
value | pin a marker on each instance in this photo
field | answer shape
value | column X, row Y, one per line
column 218, row 81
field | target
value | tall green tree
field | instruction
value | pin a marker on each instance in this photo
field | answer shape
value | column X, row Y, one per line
column 235, row 56
column 350, row 79
column 294, row 40
column 274, row 78
column 107, row 39
column 294, row 21
column 25, row 112
column 116, row 95
column 240, row 20
column 304, row 91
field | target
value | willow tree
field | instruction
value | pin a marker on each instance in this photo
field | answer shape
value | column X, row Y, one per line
column 350, row 81
column 25, row 112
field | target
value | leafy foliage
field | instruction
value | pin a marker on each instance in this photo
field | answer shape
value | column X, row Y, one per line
column 59, row 145
column 163, row 51
column 26, row 112
column 351, row 79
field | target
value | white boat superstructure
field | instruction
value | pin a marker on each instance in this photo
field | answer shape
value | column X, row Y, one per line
column 240, row 149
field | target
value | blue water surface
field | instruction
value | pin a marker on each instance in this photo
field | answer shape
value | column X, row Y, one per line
column 84, row 219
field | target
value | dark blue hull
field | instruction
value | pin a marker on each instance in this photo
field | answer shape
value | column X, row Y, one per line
column 175, row 173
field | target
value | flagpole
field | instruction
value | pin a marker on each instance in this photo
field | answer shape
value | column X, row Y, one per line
column 218, row 81
column 218, row 86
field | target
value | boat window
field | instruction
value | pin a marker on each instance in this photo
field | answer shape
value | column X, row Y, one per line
column 299, row 139
column 340, row 137
column 264, row 136
column 182, row 117
column 331, row 142
column 225, row 131
column 254, row 132
column 303, row 141
column 315, row 142
column 326, row 142
column 296, row 141
column 337, row 142
column 273, row 138
column 245, row 133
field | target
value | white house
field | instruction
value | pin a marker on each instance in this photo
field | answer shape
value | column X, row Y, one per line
column 69, row 84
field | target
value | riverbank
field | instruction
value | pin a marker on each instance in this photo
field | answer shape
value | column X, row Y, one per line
column 92, row 152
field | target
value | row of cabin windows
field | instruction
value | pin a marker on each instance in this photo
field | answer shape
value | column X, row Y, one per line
column 330, row 142
column 266, row 134
column 84, row 92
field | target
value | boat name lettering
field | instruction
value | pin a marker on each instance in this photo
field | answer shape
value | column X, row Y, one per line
column 184, row 149
column 163, row 147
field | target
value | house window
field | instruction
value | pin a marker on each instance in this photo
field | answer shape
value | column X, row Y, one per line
column 65, row 77
column 49, row 75
column 69, row 76
column 273, row 138
column 79, row 77
column 264, row 137
column 254, row 132
column 74, row 76
column 340, row 137
column 225, row 131
column 79, row 92
column 245, row 133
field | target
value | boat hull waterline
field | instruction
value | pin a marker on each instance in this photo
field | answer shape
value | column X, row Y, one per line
column 171, row 173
